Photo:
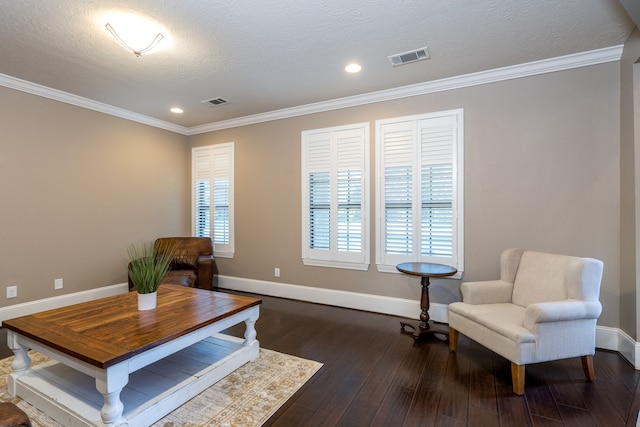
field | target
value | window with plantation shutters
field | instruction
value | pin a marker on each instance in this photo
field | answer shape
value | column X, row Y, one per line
column 213, row 196
column 419, row 166
column 335, row 197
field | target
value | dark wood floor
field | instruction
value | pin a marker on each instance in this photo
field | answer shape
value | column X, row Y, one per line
column 375, row 376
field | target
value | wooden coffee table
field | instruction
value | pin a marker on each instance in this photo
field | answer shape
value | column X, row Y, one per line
column 115, row 365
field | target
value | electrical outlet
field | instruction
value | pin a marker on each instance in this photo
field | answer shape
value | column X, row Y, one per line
column 12, row 291
column 276, row 272
column 57, row 284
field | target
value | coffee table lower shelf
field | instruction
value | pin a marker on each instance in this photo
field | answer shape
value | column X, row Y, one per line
column 70, row 397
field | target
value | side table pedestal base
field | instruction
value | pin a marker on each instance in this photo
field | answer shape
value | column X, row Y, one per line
column 419, row 331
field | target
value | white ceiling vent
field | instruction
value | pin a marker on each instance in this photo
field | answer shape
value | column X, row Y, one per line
column 409, row 57
column 215, row 102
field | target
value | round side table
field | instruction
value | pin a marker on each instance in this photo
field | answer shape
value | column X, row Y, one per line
column 425, row 270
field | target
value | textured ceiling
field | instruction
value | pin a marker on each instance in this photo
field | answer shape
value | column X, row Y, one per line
column 272, row 54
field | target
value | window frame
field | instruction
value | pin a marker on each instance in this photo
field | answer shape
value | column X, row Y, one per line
column 386, row 262
column 332, row 257
column 209, row 155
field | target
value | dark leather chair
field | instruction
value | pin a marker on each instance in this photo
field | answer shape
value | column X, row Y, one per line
column 12, row 416
column 193, row 264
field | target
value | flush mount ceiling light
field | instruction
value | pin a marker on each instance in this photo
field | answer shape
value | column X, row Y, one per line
column 134, row 33
column 177, row 110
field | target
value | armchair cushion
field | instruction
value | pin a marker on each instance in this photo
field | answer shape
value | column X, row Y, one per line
column 503, row 319
column 488, row 292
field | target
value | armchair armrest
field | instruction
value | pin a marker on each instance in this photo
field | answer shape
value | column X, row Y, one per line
column 205, row 272
column 558, row 311
column 486, row 292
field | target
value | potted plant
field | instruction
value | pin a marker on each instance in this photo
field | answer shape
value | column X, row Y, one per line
column 147, row 267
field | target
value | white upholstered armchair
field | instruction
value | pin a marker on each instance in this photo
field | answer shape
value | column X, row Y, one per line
column 544, row 307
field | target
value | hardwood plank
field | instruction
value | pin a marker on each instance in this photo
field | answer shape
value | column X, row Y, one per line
column 539, row 396
column 430, row 388
column 394, row 407
column 454, row 403
column 368, row 399
column 576, row 417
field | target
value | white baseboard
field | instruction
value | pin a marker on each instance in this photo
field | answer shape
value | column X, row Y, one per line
column 606, row 338
column 376, row 303
column 24, row 309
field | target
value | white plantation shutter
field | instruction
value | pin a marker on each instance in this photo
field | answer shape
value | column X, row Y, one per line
column 335, row 196
column 202, row 192
column 398, row 187
column 436, row 138
column 221, row 181
column 349, row 165
column 419, row 168
column 319, row 166
column 213, row 196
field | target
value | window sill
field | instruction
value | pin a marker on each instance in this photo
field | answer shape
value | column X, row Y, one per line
column 335, row 264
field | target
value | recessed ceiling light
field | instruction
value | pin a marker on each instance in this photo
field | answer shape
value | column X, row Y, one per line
column 177, row 110
column 352, row 68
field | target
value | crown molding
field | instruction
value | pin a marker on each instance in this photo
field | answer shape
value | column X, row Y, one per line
column 583, row 59
column 577, row 60
column 57, row 95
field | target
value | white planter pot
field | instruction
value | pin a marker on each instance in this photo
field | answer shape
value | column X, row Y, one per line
column 147, row 301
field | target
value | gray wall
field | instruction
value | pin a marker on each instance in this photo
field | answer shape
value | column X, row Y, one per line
column 77, row 187
column 542, row 172
column 629, row 183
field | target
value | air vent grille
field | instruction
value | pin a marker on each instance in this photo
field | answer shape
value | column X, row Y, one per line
column 409, row 57
column 215, row 102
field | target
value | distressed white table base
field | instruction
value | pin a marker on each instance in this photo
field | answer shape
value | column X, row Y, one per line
column 138, row 391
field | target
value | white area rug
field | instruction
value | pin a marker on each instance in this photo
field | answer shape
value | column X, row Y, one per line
column 244, row 398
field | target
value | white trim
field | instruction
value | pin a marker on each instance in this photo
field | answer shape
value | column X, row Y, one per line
column 583, row 59
column 606, row 337
column 628, row 348
column 376, row 303
column 576, row 60
column 27, row 308
column 89, row 104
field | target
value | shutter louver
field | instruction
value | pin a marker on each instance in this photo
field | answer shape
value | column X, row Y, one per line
column 221, row 175
column 398, row 188
column 350, row 152
column 318, row 167
column 202, row 187
column 437, row 188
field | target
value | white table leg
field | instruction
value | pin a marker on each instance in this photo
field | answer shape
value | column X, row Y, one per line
column 21, row 361
column 110, row 383
column 250, row 333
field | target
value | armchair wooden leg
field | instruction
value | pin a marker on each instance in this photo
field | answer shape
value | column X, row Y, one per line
column 517, row 378
column 587, row 367
column 453, row 339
